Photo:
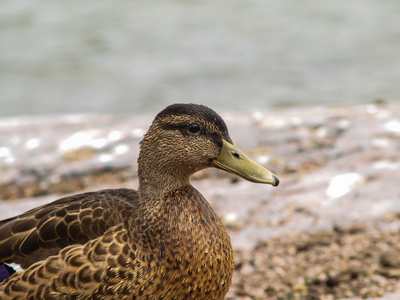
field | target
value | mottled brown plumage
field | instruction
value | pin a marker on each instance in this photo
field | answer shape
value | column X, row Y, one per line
column 163, row 241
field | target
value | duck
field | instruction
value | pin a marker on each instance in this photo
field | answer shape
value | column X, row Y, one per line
column 162, row 241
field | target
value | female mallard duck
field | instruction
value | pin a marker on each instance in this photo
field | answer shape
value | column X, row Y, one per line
column 163, row 241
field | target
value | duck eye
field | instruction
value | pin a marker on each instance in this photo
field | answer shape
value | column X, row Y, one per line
column 194, row 128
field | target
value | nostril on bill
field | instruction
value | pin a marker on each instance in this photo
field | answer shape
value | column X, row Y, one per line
column 235, row 154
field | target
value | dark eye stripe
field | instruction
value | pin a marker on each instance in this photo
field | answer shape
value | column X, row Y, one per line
column 194, row 111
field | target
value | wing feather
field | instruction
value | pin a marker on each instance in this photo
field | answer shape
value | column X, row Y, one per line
column 70, row 220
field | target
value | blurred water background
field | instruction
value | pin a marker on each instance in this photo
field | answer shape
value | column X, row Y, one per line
column 61, row 57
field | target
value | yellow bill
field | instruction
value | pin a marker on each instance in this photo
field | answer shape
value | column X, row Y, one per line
column 232, row 160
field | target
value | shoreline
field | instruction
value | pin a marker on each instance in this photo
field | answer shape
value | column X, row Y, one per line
column 338, row 168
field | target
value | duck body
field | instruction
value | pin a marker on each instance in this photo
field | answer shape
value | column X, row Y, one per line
column 163, row 241
column 193, row 254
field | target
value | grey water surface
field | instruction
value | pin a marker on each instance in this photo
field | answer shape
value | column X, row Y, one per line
column 62, row 57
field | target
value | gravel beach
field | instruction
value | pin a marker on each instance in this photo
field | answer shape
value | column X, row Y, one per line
column 330, row 230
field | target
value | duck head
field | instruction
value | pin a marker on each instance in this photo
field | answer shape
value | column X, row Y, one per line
column 185, row 138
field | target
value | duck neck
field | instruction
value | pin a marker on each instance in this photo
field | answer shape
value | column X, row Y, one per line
column 154, row 185
column 156, row 180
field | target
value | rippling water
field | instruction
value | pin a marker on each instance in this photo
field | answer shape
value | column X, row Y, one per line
column 127, row 56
